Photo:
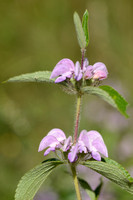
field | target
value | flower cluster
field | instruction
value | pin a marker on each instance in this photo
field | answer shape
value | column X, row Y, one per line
column 89, row 144
column 65, row 68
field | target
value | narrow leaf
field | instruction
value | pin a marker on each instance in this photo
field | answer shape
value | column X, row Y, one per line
column 93, row 194
column 87, row 188
column 32, row 180
column 113, row 171
column 120, row 102
column 85, row 26
column 79, row 31
column 42, row 76
column 98, row 189
column 109, row 95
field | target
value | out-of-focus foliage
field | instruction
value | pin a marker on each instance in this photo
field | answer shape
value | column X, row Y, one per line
column 34, row 36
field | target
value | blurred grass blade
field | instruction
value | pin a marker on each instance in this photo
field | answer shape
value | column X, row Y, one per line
column 32, row 180
column 85, row 26
column 113, row 171
column 41, row 76
column 109, row 95
column 79, row 31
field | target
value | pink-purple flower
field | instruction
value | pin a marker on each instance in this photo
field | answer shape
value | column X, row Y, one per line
column 99, row 71
column 66, row 69
column 89, row 144
column 55, row 139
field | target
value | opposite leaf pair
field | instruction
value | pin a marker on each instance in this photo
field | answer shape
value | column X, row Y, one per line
column 32, row 180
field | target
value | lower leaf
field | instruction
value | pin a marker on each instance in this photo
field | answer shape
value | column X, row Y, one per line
column 113, row 171
column 32, row 180
column 93, row 194
column 87, row 188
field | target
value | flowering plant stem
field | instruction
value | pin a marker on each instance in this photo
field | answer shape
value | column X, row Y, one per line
column 73, row 168
column 82, row 58
column 78, row 108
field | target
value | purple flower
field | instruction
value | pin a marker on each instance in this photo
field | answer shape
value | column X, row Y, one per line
column 55, row 139
column 85, row 65
column 97, row 71
column 90, row 143
column 73, row 154
column 78, row 72
column 67, row 144
column 64, row 69
column 88, row 72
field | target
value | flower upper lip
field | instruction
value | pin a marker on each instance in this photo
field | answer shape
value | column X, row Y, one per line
column 64, row 68
column 89, row 142
column 55, row 139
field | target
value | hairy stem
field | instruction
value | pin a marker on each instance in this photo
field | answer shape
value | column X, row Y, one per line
column 73, row 168
column 78, row 103
column 82, row 57
column 78, row 108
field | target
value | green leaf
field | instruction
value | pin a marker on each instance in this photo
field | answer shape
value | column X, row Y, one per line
column 93, row 194
column 85, row 26
column 98, row 189
column 113, row 171
column 32, row 180
column 113, row 162
column 42, row 76
column 110, row 95
column 79, row 31
column 87, row 188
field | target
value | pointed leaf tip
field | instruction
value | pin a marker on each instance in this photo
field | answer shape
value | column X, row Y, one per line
column 41, row 76
column 113, row 171
column 109, row 95
column 87, row 188
column 85, row 26
column 120, row 103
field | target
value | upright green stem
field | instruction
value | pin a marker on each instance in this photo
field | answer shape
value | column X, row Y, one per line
column 77, row 118
column 73, row 168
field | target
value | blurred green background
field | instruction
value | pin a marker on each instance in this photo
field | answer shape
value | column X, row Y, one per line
column 34, row 36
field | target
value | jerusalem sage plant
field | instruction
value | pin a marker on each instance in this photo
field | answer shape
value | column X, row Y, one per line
column 88, row 148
